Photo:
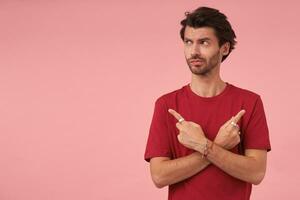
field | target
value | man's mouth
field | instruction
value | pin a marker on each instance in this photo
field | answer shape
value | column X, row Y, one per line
column 196, row 61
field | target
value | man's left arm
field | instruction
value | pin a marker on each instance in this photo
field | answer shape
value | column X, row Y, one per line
column 250, row 167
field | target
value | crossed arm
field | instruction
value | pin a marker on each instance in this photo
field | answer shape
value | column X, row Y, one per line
column 250, row 168
column 165, row 171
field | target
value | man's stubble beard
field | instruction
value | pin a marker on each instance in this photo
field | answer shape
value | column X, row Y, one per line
column 206, row 67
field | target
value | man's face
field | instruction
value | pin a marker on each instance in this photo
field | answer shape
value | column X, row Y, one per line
column 201, row 49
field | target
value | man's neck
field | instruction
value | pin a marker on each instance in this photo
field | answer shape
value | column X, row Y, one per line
column 207, row 86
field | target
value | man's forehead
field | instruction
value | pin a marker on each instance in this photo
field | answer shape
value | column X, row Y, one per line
column 202, row 32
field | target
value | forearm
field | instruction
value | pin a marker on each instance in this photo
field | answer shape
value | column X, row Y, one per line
column 176, row 170
column 242, row 167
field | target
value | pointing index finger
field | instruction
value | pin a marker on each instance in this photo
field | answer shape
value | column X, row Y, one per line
column 238, row 116
column 175, row 114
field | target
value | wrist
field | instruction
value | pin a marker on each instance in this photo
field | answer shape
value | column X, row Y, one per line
column 201, row 145
column 205, row 147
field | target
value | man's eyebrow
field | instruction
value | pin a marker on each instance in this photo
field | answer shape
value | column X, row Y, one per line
column 200, row 39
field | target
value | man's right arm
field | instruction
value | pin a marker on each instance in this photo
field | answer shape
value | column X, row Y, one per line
column 165, row 171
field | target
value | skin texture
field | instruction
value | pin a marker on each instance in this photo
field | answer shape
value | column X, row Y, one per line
column 203, row 55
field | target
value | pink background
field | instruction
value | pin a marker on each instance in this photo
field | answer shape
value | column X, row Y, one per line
column 78, row 81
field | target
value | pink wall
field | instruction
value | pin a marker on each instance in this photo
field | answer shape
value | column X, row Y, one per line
column 78, row 80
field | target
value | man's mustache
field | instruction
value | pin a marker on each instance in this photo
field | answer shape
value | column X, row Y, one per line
column 196, row 57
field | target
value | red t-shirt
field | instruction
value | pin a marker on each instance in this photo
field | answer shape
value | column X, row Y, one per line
column 211, row 113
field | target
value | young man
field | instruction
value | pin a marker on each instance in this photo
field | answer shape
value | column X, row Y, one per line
column 209, row 139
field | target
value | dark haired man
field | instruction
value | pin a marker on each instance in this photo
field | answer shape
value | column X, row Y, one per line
column 209, row 139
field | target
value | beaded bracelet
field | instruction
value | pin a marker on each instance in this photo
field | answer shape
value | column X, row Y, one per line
column 206, row 148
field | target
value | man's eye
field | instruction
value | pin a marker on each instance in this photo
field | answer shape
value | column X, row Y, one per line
column 188, row 42
column 206, row 43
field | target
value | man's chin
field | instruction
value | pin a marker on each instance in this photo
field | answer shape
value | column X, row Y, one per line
column 199, row 71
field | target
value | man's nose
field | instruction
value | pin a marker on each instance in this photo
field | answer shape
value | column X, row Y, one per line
column 196, row 50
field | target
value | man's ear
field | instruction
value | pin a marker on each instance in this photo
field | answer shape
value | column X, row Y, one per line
column 225, row 48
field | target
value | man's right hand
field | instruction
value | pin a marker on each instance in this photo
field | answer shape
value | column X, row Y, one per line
column 229, row 133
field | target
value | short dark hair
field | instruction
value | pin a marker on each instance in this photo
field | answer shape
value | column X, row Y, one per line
column 213, row 18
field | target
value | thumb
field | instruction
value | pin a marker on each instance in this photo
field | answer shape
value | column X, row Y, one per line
column 179, row 137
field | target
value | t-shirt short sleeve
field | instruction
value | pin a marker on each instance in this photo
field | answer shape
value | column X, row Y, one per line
column 158, row 141
column 256, row 134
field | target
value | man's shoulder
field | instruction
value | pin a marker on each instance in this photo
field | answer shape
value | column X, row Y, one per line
column 170, row 96
column 244, row 93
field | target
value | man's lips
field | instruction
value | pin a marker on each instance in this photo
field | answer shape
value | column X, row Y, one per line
column 196, row 61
